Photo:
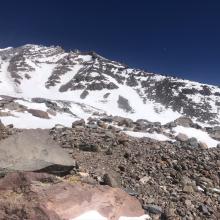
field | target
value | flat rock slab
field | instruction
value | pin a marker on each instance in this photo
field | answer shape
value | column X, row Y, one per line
column 33, row 150
column 42, row 197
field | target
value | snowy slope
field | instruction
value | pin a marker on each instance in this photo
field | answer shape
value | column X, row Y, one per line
column 34, row 71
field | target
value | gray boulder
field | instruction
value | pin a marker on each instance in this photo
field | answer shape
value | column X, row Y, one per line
column 216, row 135
column 181, row 137
column 184, row 121
column 38, row 113
column 33, row 150
column 80, row 122
column 203, row 145
column 193, row 142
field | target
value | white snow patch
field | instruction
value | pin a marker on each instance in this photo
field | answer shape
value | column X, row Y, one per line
column 200, row 188
column 143, row 217
column 94, row 74
column 155, row 136
column 94, row 215
column 85, row 58
column 7, row 48
column 26, row 120
column 91, row 215
column 200, row 135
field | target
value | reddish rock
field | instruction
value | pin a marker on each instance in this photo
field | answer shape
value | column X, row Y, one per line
column 40, row 196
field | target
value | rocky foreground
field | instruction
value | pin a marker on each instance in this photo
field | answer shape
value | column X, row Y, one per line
column 171, row 180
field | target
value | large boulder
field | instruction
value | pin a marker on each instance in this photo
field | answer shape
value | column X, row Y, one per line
column 38, row 113
column 3, row 131
column 46, row 197
column 121, row 121
column 80, row 122
column 184, row 121
column 2, row 127
column 193, row 142
column 181, row 137
column 216, row 134
column 33, row 150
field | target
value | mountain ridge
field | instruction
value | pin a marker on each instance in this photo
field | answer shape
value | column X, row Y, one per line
column 115, row 88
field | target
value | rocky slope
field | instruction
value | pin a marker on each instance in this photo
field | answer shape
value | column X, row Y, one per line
column 155, row 137
column 171, row 180
column 81, row 82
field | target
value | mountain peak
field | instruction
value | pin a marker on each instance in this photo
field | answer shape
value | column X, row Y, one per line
column 32, row 71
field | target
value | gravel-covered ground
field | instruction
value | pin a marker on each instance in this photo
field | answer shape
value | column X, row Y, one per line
column 170, row 180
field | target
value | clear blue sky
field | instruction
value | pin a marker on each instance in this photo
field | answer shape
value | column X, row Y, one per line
column 177, row 37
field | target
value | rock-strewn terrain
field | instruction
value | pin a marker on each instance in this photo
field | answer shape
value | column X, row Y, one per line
column 98, row 117
column 171, row 180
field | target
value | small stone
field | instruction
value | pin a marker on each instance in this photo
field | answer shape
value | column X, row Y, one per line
column 131, row 192
column 82, row 174
column 89, row 147
column 170, row 212
column 188, row 189
column 144, row 179
column 92, row 126
column 80, row 122
column 192, row 142
column 204, row 209
column 109, row 151
column 203, row 145
column 188, row 203
column 123, row 139
column 127, row 154
column 154, row 209
column 112, row 179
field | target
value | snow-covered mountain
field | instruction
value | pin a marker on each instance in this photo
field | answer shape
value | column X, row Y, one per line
column 77, row 84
